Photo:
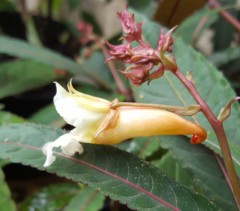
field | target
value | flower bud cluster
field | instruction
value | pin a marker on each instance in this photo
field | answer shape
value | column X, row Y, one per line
column 145, row 62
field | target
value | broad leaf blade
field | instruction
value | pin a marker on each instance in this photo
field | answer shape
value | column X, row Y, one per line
column 6, row 202
column 223, row 57
column 201, row 164
column 96, row 65
column 210, row 83
column 22, row 49
column 87, row 199
column 115, row 173
column 142, row 147
column 7, row 118
column 189, row 28
column 20, row 76
column 53, row 197
column 47, row 116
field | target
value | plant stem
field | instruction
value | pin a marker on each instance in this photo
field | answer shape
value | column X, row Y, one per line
column 223, row 169
column 226, row 15
column 121, row 87
column 219, row 131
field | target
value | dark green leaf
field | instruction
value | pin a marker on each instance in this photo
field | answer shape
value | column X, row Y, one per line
column 7, row 118
column 24, row 50
column 51, row 198
column 145, row 7
column 142, row 147
column 223, row 30
column 6, row 202
column 73, row 4
column 20, row 76
column 96, row 65
column 47, row 116
column 223, row 57
column 113, row 172
column 87, row 199
column 173, row 169
column 188, row 29
column 206, row 176
column 7, row 6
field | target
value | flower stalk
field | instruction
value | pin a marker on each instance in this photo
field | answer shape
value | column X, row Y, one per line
column 219, row 131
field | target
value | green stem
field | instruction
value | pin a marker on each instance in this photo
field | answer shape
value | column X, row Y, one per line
column 219, row 131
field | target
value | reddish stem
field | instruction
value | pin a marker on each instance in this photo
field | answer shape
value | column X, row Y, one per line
column 219, row 131
column 214, row 4
column 225, row 175
column 122, row 89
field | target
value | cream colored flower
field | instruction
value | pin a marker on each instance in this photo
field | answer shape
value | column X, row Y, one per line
column 99, row 121
column 82, row 111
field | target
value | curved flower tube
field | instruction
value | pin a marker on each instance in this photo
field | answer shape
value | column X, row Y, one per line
column 99, row 121
column 134, row 122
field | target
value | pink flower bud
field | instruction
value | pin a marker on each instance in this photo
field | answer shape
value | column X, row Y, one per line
column 132, row 30
column 165, row 41
column 120, row 52
column 144, row 54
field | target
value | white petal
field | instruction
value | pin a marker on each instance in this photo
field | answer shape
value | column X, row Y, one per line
column 69, row 145
column 72, row 112
column 48, row 151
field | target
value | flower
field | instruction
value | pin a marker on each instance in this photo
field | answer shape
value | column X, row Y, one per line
column 99, row 121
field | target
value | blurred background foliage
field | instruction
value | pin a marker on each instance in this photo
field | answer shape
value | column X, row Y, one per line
column 42, row 41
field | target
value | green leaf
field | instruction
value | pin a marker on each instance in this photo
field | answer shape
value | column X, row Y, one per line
column 7, row 6
column 187, row 28
column 96, row 65
column 206, row 176
column 173, row 169
column 24, row 50
column 223, row 57
column 20, row 76
column 145, row 7
column 6, row 202
column 7, row 118
column 210, row 83
column 224, row 31
column 115, row 173
column 142, row 147
column 51, row 198
column 87, row 199
column 47, row 116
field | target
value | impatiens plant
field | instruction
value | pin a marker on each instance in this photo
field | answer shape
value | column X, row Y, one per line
column 147, row 148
